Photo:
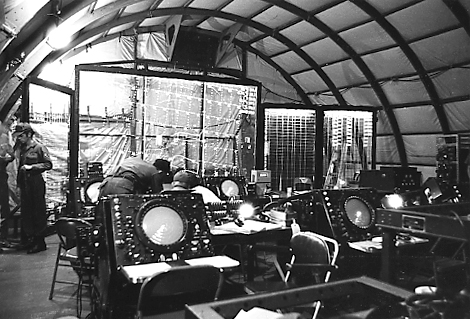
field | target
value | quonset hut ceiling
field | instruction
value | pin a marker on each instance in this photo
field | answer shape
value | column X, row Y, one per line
column 407, row 59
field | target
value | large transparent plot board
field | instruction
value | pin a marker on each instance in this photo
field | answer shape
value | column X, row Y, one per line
column 207, row 127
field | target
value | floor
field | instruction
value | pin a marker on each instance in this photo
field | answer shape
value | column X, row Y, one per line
column 25, row 282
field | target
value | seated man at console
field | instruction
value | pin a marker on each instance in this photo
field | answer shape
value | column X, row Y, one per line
column 187, row 180
column 136, row 176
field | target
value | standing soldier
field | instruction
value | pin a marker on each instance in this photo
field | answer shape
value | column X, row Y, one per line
column 33, row 160
column 7, row 156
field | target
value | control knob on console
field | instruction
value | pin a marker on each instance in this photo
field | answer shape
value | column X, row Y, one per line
column 120, row 243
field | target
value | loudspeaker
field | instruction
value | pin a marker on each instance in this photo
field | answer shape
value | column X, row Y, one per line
column 154, row 228
column 195, row 49
column 350, row 213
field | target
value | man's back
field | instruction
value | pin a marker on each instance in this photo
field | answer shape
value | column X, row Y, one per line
column 133, row 175
column 137, row 166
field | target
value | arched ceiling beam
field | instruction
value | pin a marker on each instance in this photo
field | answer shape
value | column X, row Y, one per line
column 153, row 6
column 285, row 75
column 335, row 37
column 349, row 27
column 378, row 50
column 440, row 69
column 192, row 11
column 32, row 34
column 241, row 44
column 220, row 7
column 36, row 30
column 460, row 13
column 412, row 57
column 11, row 102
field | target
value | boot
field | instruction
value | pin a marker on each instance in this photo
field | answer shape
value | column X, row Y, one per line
column 4, row 243
column 39, row 245
column 26, row 243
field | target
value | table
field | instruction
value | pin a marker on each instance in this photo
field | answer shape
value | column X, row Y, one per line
column 138, row 273
column 364, row 292
column 252, row 232
column 374, row 245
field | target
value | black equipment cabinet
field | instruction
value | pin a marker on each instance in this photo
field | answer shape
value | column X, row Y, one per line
column 440, row 221
column 143, row 229
column 350, row 213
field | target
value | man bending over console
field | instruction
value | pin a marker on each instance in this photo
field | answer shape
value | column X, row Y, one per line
column 136, row 176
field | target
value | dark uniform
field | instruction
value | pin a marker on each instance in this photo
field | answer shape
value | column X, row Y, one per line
column 33, row 189
column 6, row 156
column 134, row 176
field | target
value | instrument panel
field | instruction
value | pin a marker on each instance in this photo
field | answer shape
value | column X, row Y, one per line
column 156, row 228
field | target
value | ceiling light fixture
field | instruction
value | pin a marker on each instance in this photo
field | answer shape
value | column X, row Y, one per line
column 58, row 39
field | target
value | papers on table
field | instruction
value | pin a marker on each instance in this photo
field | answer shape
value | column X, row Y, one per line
column 249, row 227
column 375, row 244
column 260, row 313
column 216, row 261
column 138, row 273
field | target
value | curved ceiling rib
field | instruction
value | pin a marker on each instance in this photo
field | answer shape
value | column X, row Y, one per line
column 460, row 14
column 11, row 102
column 192, row 11
column 99, row 13
column 414, row 60
column 249, row 17
column 349, row 27
column 35, row 31
column 32, row 34
column 288, row 43
column 335, row 37
column 152, row 7
column 237, row 42
column 285, row 75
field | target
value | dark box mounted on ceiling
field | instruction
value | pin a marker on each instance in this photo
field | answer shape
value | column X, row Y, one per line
column 195, row 49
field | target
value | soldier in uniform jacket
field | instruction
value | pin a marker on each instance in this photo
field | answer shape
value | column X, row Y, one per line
column 34, row 159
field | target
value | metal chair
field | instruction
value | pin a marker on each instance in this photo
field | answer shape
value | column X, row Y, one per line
column 313, row 258
column 170, row 291
column 69, row 256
